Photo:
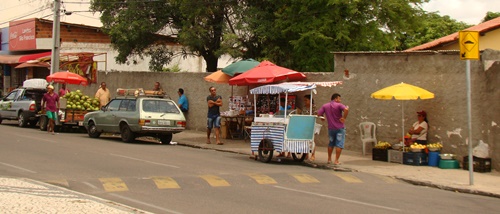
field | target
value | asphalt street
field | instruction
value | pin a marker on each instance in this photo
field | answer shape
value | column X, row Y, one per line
column 178, row 179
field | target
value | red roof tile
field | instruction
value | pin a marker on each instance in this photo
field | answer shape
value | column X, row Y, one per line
column 481, row 28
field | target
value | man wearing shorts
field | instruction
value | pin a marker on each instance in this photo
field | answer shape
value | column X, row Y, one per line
column 50, row 102
column 336, row 113
column 214, row 102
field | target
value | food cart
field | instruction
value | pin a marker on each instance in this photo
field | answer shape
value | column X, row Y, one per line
column 288, row 132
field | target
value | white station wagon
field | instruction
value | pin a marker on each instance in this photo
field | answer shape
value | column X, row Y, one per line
column 133, row 117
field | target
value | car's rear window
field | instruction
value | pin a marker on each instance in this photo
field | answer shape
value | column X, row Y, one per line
column 160, row 106
column 33, row 94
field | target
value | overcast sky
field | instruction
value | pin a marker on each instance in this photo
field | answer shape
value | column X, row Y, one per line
column 468, row 11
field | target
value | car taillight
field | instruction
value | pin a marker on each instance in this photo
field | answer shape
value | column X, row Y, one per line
column 32, row 107
column 181, row 123
column 144, row 122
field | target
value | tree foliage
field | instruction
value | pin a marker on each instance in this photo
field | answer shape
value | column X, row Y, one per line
column 490, row 15
column 297, row 34
column 432, row 26
column 133, row 27
column 302, row 34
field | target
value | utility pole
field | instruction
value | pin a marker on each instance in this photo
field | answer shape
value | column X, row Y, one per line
column 54, row 61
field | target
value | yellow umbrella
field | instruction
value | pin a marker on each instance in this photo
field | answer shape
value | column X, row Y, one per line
column 402, row 91
column 218, row 77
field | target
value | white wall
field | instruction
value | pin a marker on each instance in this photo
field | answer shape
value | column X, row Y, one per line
column 106, row 61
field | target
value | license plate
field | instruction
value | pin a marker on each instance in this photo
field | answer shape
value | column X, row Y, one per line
column 164, row 122
column 80, row 123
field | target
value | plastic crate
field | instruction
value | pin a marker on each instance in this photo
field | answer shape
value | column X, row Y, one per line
column 395, row 156
column 478, row 164
column 379, row 154
column 415, row 158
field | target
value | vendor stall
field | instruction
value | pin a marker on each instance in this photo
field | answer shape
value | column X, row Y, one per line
column 286, row 132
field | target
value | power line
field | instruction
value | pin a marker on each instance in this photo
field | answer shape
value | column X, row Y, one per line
column 23, row 16
column 14, row 6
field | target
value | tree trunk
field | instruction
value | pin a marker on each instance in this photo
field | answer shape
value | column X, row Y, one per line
column 211, row 61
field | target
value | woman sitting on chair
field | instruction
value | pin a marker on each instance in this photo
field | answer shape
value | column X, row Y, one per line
column 419, row 129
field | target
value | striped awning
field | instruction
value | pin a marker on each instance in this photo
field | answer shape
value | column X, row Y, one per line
column 289, row 87
column 282, row 88
column 323, row 84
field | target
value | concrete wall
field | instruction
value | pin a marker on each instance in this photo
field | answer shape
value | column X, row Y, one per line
column 441, row 73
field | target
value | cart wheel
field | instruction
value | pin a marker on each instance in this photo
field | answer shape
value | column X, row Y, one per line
column 266, row 150
column 297, row 156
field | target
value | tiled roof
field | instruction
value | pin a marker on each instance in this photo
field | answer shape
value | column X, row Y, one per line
column 481, row 28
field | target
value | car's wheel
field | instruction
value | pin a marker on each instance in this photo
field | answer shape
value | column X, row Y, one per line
column 22, row 119
column 92, row 130
column 299, row 157
column 166, row 139
column 43, row 123
column 127, row 134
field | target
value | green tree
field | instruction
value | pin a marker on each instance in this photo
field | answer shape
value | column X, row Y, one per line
column 491, row 15
column 302, row 34
column 432, row 26
column 135, row 28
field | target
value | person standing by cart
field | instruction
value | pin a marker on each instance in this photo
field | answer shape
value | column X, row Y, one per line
column 214, row 102
column 336, row 113
column 103, row 95
column 63, row 90
column 50, row 103
column 308, row 110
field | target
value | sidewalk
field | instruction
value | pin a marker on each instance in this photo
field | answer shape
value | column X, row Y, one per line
column 487, row 184
column 20, row 195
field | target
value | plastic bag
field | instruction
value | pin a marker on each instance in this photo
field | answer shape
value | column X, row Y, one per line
column 481, row 150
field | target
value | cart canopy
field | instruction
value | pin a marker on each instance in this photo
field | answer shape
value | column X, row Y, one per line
column 289, row 87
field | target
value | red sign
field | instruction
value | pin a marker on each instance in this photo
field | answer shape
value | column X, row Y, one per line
column 22, row 35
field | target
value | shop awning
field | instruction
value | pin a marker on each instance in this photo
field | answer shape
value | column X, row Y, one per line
column 33, row 64
column 20, row 58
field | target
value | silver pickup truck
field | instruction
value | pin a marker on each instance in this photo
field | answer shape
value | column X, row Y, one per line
column 22, row 104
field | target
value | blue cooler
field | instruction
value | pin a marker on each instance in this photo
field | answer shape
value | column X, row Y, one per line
column 434, row 158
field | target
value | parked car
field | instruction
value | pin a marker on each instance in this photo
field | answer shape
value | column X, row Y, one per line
column 22, row 104
column 133, row 117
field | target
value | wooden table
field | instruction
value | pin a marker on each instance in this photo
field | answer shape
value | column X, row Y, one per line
column 239, row 120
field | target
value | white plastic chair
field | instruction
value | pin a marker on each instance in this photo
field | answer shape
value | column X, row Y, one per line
column 368, row 134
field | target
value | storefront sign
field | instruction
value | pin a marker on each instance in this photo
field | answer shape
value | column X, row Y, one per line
column 22, row 35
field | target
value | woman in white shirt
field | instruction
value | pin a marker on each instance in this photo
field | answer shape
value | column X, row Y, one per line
column 419, row 129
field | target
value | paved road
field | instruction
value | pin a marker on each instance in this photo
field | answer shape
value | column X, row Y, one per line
column 175, row 179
